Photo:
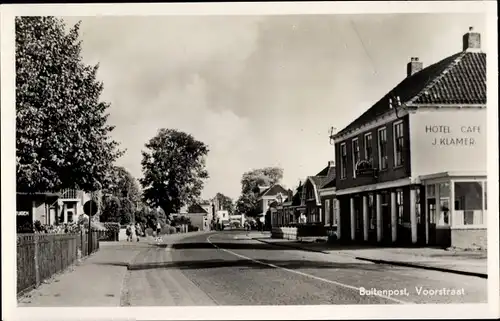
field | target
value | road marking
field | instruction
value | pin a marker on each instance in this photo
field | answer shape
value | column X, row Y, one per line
column 305, row 274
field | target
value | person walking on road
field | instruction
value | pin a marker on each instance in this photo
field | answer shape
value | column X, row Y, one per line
column 128, row 231
column 138, row 232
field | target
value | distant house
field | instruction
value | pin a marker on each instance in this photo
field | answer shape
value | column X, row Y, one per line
column 267, row 195
column 199, row 217
column 318, row 196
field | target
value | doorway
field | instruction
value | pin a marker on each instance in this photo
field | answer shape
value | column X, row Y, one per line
column 358, row 217
column 386, row 218
column 421, row 216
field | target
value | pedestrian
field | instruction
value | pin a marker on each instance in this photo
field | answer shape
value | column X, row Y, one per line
column 128, row 231
column 158, row 230
column 137, row 231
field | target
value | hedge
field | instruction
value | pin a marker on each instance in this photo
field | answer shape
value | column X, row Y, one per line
column 112, row 231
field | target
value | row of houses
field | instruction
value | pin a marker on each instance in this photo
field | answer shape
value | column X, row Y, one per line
column 412, row 168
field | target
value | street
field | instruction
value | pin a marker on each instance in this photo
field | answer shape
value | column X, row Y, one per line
column 229, row 268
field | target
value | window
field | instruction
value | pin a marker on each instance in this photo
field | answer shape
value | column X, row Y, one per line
column 399, row 206
column 398, row 144
column 335, row 212
column 444, row 203
column 382, row 148
column 327, row 211
column 485, row 195
column 418, row 210
column 355, row 155
column 368, row 147
column 468, row 203
column 371, row 212
column 343, row 161
column 430, row 193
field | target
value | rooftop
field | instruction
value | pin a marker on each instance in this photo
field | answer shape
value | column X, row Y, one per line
column 459, row 79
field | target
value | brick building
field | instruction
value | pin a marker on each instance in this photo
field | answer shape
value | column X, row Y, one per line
column 412, row 168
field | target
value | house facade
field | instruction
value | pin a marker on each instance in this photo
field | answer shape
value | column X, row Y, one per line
column 318, row 195
column 412, row 168
column 290, row 211
column 275, row 193
column 51, row 208
column 199, row 217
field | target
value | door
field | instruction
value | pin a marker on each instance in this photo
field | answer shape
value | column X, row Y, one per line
column 431, row 212
column 372, row 219
column 421, row 217
column 358, row 217
column 386, row 219
column 431, row 218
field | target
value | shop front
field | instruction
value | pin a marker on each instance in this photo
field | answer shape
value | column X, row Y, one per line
column 455, row 208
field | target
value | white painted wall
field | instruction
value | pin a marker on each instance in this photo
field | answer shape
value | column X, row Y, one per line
column 222, row 215
column 432, row 152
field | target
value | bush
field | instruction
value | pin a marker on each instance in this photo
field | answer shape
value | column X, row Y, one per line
column 311, row 229
column 38, row 226
column 112, row 230
column 192, row 228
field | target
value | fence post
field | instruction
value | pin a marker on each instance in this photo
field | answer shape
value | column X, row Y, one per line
column 37, row 266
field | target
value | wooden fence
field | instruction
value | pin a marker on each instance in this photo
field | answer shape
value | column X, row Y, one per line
column 40, row 256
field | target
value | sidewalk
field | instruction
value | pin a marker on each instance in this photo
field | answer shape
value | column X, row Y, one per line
column 98, row 280
column 472, row 263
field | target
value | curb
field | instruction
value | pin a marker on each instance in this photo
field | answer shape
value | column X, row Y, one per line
column 424, row 267
column 290, row 246
column 396, row 263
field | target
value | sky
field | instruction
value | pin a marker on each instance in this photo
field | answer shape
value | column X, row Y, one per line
column 258, row 90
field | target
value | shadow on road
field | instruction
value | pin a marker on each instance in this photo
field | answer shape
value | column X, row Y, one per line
column 242, row 263
column 280, row 246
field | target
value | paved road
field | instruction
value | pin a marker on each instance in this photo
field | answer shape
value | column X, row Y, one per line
column 228, row 268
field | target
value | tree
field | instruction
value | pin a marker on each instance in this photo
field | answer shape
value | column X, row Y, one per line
column 248, row 202
column 260, row 177
column 174, row 170
column 225, row 202
column 111, row 209
column 122, row 184
column 62, row 135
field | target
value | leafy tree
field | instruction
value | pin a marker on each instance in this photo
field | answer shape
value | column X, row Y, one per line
column 122, row 184
column 126, row 210
column 260, row 177
column 111, row 211
column 174, row 170
column 225, row 202
column 62, row 135
column 248, row 202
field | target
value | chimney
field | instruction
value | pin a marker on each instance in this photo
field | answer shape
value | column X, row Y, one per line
column 471, row 40
column 413, row 66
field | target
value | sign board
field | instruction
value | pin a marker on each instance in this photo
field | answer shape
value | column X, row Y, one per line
column 90, row 208
column 23, row 213
column 448, row 140
column 364, row 168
